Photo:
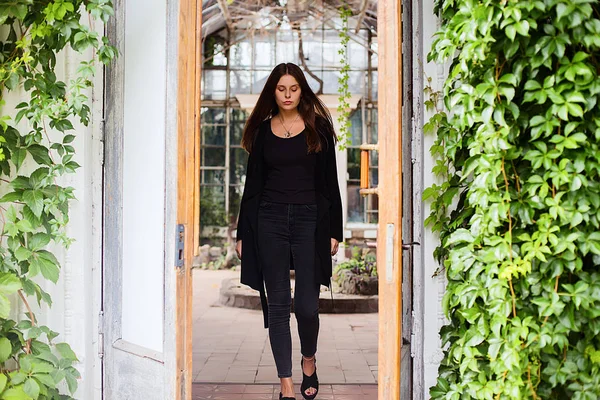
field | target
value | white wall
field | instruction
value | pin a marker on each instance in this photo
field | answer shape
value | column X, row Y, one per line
column 143, row 173
column 434, row 287
column 77, row 294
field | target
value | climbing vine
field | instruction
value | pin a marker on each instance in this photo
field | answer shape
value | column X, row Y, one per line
column 344, row 134
column 518, row 212
column 36, row 148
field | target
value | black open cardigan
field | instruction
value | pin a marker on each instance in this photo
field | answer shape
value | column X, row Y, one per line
column 329, row 211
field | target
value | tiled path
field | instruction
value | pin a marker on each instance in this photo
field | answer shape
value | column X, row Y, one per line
column 231, row 346
column 267, row 392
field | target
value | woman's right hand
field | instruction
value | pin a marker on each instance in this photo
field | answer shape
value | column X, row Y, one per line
column 238, row 249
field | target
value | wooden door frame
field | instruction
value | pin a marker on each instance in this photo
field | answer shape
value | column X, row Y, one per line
column 389, row 235
column 389, row 249
column 189, row 75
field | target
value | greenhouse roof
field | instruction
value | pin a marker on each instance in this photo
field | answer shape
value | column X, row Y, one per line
column 257, row 15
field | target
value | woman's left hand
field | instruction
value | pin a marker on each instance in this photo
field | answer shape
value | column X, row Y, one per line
column 334, row 246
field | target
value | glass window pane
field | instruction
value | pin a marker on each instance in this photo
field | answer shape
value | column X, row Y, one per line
column 356, row 127
column 260, row 78
column 374, row 58
column 237, row 131
column 353, row 163
column 237, row 167
column 238, row 120
column 374, row 88
column 331, row 47
column 312, row 45
column 235, row 198
column 374, row 124
column 214, row 51
column 212, row 115
column 240, row 82
column 312, row 82
column 374, row 176
column 213, row 156
column 213, row 177
column 241, row 54
column 264, row 51
column 373, row 217
column 356, row 82
column 214, row 84
column 237, row 114
column 212, row 134
column 357, row 55
column 212, row 206
column 287, row 47
column 374, row 159
column 355, row 203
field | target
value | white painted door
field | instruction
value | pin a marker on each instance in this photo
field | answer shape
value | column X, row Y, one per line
column 142, row 275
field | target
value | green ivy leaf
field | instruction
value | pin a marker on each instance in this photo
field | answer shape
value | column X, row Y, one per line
column 18, row 158
column 16, row 393
column 5, row 353
column 3, row 381
column 40, row 154
column 65, row 351
column 9, row 283
column 35, row 201
column 41, row 262
column 32, row 388
column 4, row 306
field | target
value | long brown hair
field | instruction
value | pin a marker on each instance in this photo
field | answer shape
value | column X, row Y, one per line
column 312, row 110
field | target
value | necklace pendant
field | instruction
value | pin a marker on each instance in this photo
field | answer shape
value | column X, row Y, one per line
column 287, row 134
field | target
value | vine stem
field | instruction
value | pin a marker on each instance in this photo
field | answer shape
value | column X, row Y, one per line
column 31, row 316
column 512, row 289
column 514, row 297
column 509, row 216
column 517, row 179
column 2, row 210
column 503, row 379
column 535, row 397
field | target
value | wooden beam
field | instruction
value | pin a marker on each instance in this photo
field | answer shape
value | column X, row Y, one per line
column 226, row 14
column 188, row 70
column 389, row 236
column 361, row 16
column 197, row 106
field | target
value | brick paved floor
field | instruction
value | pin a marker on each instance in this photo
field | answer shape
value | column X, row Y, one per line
column 268, row 392
column 231, row 346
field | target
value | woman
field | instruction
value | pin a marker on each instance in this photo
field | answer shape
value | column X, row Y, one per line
column 290, row 216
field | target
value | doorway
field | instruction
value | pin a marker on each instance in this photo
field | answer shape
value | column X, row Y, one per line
column 394, row 335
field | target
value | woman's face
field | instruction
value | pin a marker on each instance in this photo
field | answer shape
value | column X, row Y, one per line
column 287, row 93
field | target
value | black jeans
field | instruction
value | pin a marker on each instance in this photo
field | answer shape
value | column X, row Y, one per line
column 286, row 234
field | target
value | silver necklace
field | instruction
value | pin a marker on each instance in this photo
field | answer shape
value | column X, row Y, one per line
column 288, row 131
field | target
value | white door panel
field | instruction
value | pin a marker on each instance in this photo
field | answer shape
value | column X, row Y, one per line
column 144, row 172
column 140, row 204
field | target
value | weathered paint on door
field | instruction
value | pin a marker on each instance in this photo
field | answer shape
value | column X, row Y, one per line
column 149, row 192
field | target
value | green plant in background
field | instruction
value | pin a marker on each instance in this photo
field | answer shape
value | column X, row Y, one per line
column 344, row 134
column 519, row 210
column 212, row 207
column 219, row 263
column 363, row 262
column 35, row 208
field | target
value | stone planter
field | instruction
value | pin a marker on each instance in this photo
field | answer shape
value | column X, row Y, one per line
column 234, row 294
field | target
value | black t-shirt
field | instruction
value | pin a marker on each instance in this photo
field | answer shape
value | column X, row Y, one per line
column 290, row 170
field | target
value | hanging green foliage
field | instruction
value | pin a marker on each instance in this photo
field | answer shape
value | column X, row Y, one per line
column 518, row 212
column 344, row 134
column 34, row 208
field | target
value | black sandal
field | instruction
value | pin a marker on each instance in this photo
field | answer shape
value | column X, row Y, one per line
column 309, row 381
column 285, row 398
